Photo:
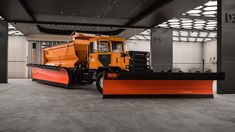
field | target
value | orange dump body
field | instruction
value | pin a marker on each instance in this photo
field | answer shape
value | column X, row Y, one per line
column 67, row 55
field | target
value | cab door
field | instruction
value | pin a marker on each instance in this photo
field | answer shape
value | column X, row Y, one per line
column 93, row 56
column 104, row 53
column 118, row 58
column 100, row 54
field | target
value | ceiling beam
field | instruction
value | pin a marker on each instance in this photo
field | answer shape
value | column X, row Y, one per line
column 23, row 4
column 79, row 24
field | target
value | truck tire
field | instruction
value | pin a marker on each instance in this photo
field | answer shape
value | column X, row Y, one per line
column 99, row 82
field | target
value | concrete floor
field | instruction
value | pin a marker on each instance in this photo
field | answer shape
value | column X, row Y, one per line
column 27, row 106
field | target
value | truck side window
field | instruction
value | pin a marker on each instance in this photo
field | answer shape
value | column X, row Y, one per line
column 93, row 47
column 117, row 46
column 103, row 46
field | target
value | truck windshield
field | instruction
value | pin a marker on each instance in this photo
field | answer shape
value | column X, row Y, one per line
column 103, row 46
column 117, row 46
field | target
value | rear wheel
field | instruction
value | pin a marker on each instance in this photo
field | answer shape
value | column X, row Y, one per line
column 99, row 82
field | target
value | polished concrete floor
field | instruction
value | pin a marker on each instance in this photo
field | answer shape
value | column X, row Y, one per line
column 27, row 106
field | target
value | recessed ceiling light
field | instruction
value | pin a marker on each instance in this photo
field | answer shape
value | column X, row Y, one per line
column 140, row 37
column 173, row 20
column 175, row 26
column 133, row 37
column 211, row 25
column 203, row 34
column 194, row 11
column 209, row 12
column 213, row 8
column 186, row 21
column 211, row 3
column 199, row 39
column 193, row 34
column 184, row 33
column 209, row 16
column 146, row 32
column 207, row 39
column 175, row 33
column 163, row 25
column 199, row 22
column 212, row 35
column 188, row 28
column 199, row 27
column 175, row 38
column 187, row 24
column 199, row 7
column 183, row 38
column 194, row 14
column 192, row 39
column 210, row 28
column 212, row 22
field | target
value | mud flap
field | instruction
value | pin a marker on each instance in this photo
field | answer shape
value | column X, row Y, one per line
column 160, row 84
column 51, row 75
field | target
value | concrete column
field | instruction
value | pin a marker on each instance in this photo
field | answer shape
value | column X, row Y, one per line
column 226, row 45
column 3, row 51
column 161, row 49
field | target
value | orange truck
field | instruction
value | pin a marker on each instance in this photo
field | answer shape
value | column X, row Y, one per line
column 85, row 60
column 117, row 73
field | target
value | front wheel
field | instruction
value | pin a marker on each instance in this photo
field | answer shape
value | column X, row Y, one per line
column 99, row 82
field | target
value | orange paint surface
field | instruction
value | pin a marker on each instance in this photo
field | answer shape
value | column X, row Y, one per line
column 60, row 76
column 122, row 87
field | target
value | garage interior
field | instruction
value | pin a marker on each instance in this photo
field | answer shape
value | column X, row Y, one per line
column 182, row 36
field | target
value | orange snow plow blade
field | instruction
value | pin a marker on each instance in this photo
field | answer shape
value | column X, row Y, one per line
column 57, row 64
column 160, row 84
column 50, row 75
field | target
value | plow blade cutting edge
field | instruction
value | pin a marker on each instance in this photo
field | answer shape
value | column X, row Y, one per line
column 160, row 84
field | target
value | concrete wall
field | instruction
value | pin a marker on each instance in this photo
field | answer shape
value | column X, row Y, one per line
column 187, row 55
column 17, row 57
column 136, row 45
column 210, row 55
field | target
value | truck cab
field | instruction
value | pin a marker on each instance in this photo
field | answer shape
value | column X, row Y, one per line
column 106, row 53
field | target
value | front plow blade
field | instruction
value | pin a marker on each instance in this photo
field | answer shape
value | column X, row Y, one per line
column 51, row 75
column 160, row 84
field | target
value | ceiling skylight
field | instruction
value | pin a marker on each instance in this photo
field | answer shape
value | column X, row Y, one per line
column 193, row 36
column 209, row 9
column 186, row 23
column 196, row 25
